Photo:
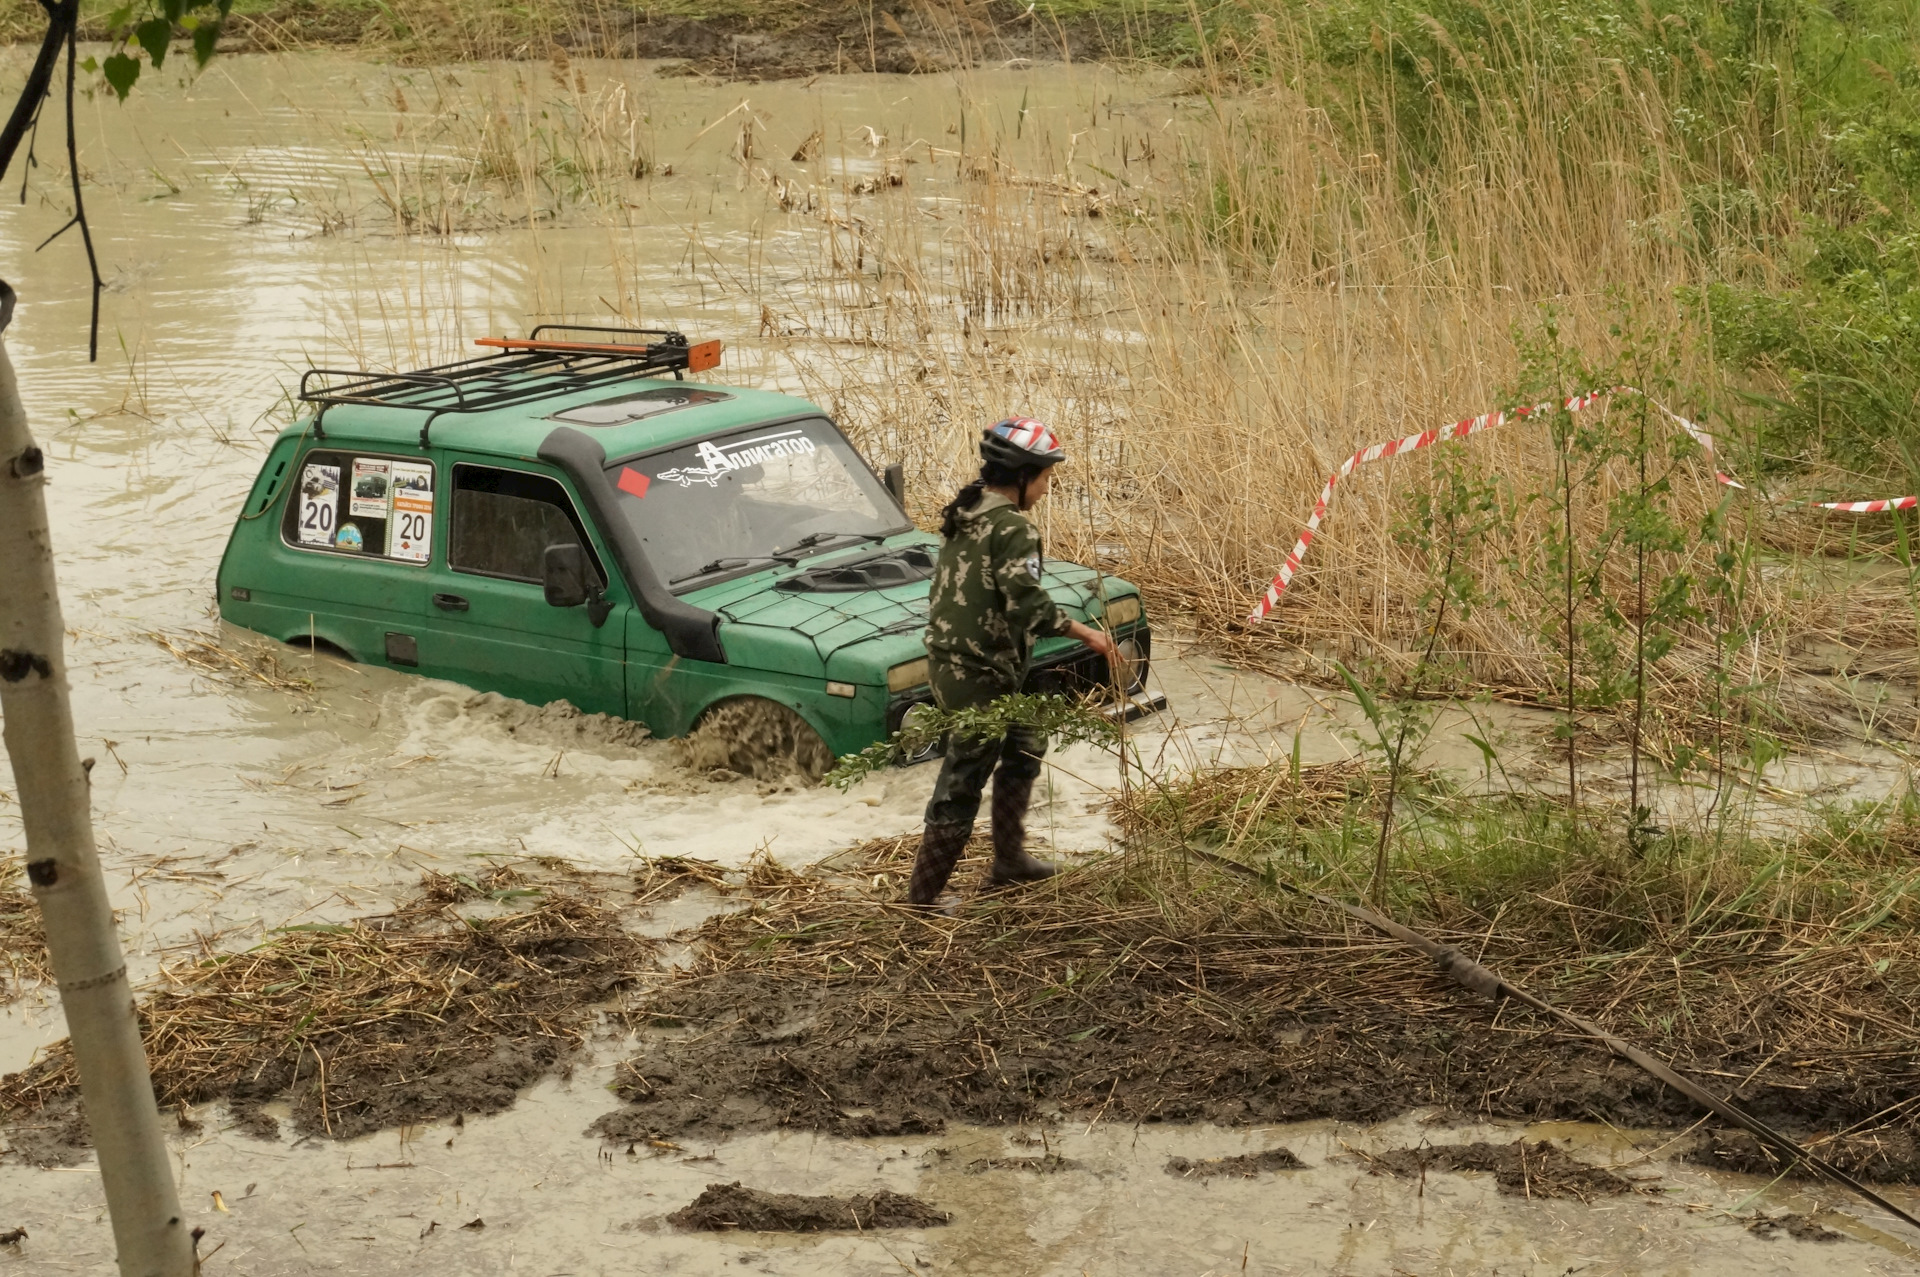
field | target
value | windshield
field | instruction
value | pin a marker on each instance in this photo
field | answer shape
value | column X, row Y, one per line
column 751, row 498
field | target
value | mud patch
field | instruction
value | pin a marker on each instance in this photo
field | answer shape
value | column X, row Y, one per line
column 559, row 724
column 1245, row 1165
column 1803, row 1227
column 730, row 1207
column 55, row 1134
column 1878, row 1155
column 1522, row 1169
column 424, row 1013
column 1045, row 1164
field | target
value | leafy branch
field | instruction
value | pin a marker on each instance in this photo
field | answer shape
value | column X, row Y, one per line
column 149, row 27
column 1066, row 722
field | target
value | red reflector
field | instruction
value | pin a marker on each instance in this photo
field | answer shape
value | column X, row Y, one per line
column 632, row 481
column 704, row 356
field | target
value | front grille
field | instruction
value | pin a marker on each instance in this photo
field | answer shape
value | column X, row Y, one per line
column 1082, row 671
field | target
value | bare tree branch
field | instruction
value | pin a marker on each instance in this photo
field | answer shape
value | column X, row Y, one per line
column 63, row 17
column 79, row 206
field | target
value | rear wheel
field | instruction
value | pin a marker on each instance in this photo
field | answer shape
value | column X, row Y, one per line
column 758, row 738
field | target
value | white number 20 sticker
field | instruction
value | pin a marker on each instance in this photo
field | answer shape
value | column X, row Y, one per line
column 319, row 503
column 410, row 533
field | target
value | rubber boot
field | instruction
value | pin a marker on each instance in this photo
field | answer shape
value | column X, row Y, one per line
column 940, row 848
column 1011, row 863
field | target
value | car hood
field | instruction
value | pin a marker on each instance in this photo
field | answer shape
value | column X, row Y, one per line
column 851, row 635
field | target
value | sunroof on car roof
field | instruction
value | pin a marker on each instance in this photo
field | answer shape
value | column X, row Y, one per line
column 647, row 403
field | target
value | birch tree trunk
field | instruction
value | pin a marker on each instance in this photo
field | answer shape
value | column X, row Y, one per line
column 63, row 865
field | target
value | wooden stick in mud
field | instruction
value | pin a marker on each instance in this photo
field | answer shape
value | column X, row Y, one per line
column 63, row 865
column 1464, row 971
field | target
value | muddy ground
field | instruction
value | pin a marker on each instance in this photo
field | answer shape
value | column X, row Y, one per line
column 825, row 1008
column 813, row 1002
column 1536, row 1169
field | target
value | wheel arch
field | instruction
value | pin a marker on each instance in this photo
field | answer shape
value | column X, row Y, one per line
column 323, row 646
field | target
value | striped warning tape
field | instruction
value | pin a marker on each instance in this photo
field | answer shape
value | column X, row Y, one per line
column 1487, row 421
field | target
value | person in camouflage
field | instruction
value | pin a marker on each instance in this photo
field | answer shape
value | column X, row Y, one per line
column 986, row 609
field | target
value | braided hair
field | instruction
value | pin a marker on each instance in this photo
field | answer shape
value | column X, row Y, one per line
column 993, row 474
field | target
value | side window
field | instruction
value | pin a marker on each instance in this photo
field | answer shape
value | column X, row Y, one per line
column 361, row 503
column 504, row 520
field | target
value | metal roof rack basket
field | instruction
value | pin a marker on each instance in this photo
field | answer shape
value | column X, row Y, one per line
column 553, row 359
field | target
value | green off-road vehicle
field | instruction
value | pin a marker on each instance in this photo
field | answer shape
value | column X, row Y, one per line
column 569, row 518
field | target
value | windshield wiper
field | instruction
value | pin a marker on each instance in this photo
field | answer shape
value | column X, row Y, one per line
column 812, row 539
column 737, row 561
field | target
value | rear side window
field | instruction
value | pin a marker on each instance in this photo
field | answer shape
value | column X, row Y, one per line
column 362, row 503
column 504, row 520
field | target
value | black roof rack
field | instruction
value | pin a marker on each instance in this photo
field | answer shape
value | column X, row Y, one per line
column 525, row 369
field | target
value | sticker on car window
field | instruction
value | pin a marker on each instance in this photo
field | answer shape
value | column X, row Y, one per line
column 349, row 538
column 633, row 483
column 371, row 477
column 410, row 531
column 319, row 504
column 717, row 460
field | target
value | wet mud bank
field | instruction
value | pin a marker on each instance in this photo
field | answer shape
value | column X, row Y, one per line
column 1130, row 991
column 1101, row 997
column 724, row 1207
column 475, row 988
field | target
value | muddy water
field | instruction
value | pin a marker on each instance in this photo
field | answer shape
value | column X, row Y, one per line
column 550, row 1203
column 247, row 227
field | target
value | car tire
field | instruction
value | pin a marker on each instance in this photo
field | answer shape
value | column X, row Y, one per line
column 760, row 738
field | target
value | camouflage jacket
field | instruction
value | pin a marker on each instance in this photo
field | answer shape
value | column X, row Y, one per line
column 987, row 606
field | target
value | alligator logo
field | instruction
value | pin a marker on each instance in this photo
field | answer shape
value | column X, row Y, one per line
column 716, row 465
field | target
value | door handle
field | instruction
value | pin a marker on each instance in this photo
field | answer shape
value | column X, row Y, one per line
column 450, row 602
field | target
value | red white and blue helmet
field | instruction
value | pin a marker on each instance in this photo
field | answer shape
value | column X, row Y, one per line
column 1020, row 443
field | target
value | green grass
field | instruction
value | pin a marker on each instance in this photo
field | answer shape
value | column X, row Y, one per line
column 1466, row 863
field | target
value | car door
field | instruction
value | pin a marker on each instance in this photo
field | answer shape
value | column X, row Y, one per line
column 489, row 624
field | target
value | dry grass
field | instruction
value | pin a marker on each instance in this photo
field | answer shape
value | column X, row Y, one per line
column 242, row 662
column 23, row 946
column 1269, row 291
column 391, row 1020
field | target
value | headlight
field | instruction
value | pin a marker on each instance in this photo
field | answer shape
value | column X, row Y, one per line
column 1122, row 612
column 912, row 723
column 1133, row 668
column 909, row 675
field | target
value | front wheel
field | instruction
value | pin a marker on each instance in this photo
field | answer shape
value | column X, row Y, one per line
column 758, row 738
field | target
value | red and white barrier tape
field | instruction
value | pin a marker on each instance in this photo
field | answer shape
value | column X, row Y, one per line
column 1487, row 421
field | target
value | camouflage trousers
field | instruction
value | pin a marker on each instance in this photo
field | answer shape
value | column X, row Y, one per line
column 968, row 764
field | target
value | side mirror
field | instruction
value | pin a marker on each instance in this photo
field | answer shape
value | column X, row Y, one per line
column 566, row 575
column 895, row 477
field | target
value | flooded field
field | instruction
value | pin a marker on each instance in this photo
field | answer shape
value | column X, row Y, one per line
column 291, row 210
